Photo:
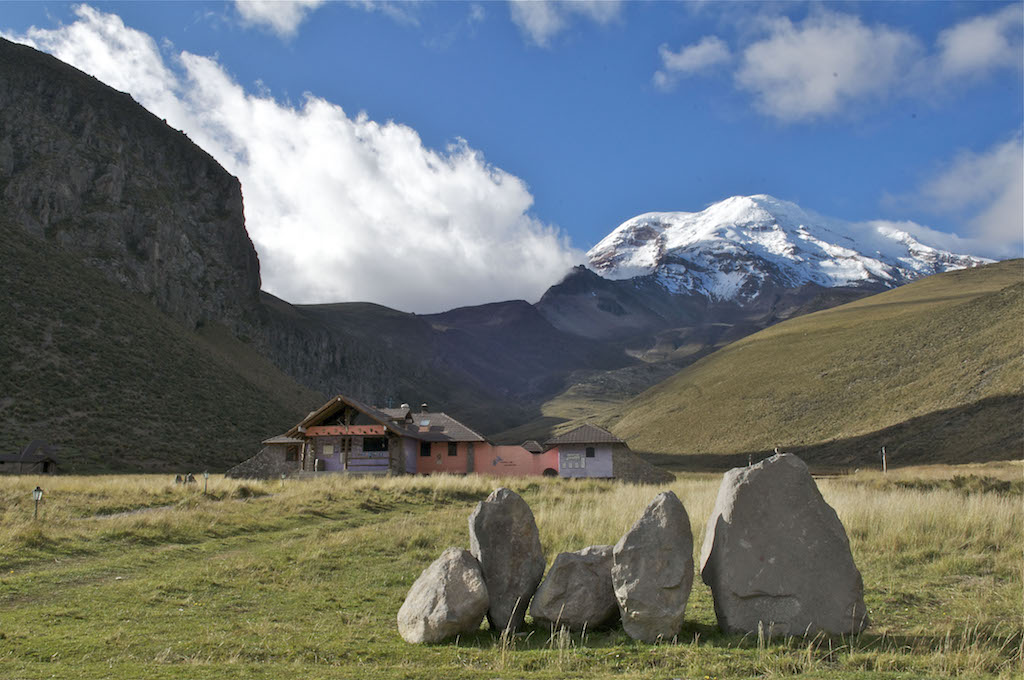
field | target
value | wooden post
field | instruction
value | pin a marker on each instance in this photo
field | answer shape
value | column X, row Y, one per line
column 885, row 469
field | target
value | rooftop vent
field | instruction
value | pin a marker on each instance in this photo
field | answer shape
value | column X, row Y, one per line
column 423, row 407
column 405, row 407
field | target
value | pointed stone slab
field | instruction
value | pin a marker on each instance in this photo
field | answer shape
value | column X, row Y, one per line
column 449, row 598
column 503, row 536
column 577, row 593
column 776, row 555
column 652, row 571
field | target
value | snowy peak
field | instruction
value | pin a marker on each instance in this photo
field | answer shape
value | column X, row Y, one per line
column 735, row 248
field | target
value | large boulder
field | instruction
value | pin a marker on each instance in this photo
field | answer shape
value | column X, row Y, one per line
column 577, row 593
column 449, row 598
column 503, row 536
column 652, row 570
column 776, row 555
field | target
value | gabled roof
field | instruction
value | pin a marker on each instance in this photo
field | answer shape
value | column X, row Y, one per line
column 37, row 451
column 336, row 404
column 584, row 434
column 533, row 446
column 439, row 427
column 27, row 460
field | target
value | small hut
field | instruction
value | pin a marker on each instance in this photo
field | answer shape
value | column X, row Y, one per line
column 38, row 458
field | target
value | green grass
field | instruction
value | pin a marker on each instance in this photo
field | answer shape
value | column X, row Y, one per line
column 118, row 386
column 933, row 370
column 304, row 579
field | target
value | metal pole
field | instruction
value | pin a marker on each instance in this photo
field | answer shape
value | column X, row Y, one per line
column 35, row 515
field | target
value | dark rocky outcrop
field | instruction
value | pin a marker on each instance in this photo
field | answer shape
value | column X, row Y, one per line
column 84, row 166
column 777, row 557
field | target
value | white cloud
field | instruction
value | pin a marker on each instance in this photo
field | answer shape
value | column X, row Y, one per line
column 339, row 207
column 943, row 240
column 280, row 16
column 817, row 67
column 987, row 189
column 982, row 43
column 832, row 62
column 541, row 20
column 710, row 51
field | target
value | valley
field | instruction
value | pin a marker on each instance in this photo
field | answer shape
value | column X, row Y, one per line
column 137, row 338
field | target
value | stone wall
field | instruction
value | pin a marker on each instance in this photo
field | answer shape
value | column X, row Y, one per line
column 268, row 463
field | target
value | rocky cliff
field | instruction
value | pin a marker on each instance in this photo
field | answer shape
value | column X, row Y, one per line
column 83, row 166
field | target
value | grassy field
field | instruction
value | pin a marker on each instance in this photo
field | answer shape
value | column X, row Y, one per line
column 932, row 370
column 134, row 577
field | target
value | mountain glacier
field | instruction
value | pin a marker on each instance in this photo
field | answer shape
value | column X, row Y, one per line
column 736, row 248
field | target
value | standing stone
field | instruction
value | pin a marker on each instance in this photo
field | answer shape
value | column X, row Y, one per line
column 577, row 593
column 652, row 570
column 449, row 598
column 503, row 536
column 776, row 554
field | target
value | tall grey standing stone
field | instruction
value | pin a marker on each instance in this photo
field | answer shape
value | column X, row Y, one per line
column 776, row 555
column 503, row 536
column 577, row 593
column 652, row 570
column 449, row 598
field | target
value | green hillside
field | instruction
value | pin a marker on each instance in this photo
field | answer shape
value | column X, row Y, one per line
column 933, row 370
column 118, row 386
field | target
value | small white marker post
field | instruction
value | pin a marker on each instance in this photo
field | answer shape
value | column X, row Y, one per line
column 885, row 469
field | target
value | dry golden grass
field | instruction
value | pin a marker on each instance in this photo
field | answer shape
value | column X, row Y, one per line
column 137, row 577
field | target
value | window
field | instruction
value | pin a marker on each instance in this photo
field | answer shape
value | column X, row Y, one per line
column 375, row 444
column 424, row 449
column 327, row 451
column 453, row 449
column 590, row 452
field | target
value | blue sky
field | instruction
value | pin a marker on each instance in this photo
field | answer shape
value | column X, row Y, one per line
column 478, row 149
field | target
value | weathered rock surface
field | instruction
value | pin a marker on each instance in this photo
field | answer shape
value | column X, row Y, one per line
column 84, row 166
column 577, row 592
column 652, row 570
column 503, row 536
column 776, row 554
column 449, row 598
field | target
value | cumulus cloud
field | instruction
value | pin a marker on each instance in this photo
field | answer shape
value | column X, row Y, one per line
column 833, row 61
column 340, row 207
column 982, row 43
column 689, row 60
column 988, row 190
column 814, row 68
column 280, row 16
column 541, row 20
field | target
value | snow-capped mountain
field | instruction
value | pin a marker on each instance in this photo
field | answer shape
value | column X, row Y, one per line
column 736, row 248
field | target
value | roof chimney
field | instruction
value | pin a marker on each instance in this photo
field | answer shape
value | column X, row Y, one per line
column 423, row 407
column 405, row 407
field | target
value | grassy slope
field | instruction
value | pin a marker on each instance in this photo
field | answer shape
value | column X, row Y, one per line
column 933, row 370
column 118, row 386
column 271, row 580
